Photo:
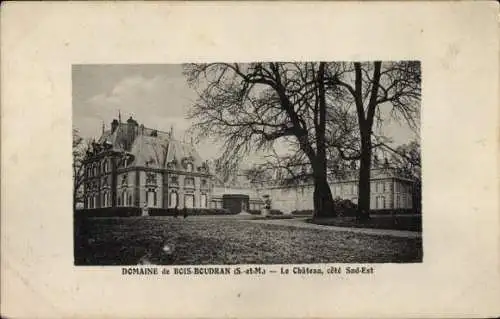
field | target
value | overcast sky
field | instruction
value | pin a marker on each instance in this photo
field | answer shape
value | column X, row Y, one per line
column 155, row 95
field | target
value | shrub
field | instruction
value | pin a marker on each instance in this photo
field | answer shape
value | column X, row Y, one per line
column 345, row 207
column 303, row 212
column 189, row 211
column 275, row 212
column 109, row 212
column 389, row 211
column 136, row 211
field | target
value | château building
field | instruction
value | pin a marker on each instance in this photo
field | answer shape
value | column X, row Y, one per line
column 388, row 190
column 131, row 165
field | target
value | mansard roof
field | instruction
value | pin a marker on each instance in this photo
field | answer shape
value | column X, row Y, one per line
column 150, row 147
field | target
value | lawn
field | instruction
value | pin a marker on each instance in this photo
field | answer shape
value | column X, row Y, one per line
column 226, row 240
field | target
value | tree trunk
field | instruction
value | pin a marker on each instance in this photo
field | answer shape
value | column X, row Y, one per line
column 74, row 199
column 364, row 178
column 323, row 199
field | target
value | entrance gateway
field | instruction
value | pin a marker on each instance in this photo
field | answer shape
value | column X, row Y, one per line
column 235, row 203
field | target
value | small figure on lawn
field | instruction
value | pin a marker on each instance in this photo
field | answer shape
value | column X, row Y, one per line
column 176, row 211
column 185, row 212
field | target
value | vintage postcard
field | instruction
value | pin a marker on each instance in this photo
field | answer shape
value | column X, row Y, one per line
column 247, row 160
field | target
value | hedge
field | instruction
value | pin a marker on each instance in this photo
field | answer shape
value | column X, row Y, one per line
column 189, row 211
column 303, row 212
column 109, row 212
column 274, row 212
column 136, row 211
column 352, row 212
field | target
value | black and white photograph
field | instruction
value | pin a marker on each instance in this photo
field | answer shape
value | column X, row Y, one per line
column 247, row 163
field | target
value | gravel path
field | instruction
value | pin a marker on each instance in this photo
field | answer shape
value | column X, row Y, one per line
column 301, row 223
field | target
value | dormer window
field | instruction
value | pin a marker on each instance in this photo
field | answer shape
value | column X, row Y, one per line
column 174, row 180
column 189, row 167
column 151, row 179
column 150, row 161
column 189, row 182
column 124, row 180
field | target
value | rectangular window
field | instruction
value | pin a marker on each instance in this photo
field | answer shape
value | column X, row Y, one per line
column 203, row 201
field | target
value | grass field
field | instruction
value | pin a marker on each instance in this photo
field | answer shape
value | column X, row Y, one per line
column 226, row 240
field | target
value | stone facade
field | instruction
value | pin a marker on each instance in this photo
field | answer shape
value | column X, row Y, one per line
column 388, row 191
column 134, row 166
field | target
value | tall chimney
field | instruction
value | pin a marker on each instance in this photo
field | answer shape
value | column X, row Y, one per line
column 114, row 125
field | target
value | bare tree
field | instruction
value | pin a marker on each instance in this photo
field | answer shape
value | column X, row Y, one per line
column 372, row 85
column 80, row 147
column 251, row 106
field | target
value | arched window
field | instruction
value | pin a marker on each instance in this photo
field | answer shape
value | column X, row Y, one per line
column 189, row 201
column 151, row 197
column 124, row 198
column 189, row 167
column 173, row 200
column 106, row 199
